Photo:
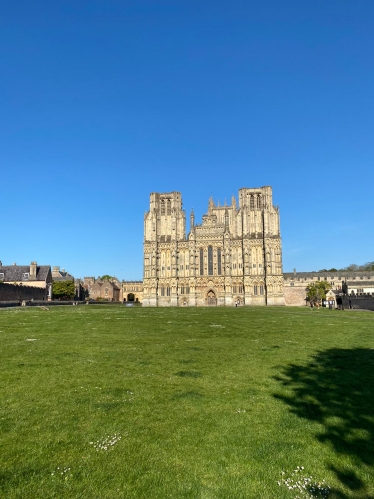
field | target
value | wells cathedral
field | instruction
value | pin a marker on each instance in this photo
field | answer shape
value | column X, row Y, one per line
column 233, row 257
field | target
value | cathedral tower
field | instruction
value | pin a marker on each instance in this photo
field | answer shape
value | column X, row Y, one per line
column 233, row 258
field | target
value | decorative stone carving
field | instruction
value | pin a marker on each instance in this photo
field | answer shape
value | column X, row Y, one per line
column 235, row 248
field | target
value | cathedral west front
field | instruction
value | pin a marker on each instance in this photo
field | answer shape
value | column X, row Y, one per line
column 233, row 257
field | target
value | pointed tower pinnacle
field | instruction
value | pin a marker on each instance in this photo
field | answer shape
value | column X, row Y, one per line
column 192, row 219
column 210, row 205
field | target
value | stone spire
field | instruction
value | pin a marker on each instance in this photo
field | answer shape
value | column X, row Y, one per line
column 210, row 205
column 192, row 219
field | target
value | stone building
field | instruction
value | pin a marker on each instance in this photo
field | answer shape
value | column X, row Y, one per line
column 61, row 275
column 99, row 289
column 233, row 256
column 37, row 276
column 132, row 291
column 295, row 283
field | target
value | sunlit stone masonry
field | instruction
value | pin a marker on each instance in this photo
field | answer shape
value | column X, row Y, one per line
column 233, row 257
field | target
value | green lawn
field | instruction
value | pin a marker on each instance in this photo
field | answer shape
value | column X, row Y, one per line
column 210, row 403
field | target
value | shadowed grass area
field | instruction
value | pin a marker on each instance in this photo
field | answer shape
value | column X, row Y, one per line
column 117, row 402
column 336, row 390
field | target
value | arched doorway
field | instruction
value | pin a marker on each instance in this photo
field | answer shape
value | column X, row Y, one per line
column 131, row 297
column 211, row 299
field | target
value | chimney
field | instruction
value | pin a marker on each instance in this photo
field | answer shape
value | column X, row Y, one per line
column 56, row 271
column 33, row 267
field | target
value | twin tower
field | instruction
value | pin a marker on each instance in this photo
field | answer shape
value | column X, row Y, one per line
column 234, row 257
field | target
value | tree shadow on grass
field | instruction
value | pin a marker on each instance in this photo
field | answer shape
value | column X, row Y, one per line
column 336, row 389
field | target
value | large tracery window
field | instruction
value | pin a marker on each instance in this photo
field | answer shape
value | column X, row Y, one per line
column 210, row 260
column 258, row 201
column 201, row 261
column 219, row 267
column 252, row 203
column 169, row 206
column 162, row 207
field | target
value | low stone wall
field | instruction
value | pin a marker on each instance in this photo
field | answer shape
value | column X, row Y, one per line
column 359, row 302
column 15, row 292
column 38, row 303
column 5, row 304
column 136, row 304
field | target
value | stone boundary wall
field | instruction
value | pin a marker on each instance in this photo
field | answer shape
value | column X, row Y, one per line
column 38, row 303
column 16, row 292
column 359, row 302
column 135, row 304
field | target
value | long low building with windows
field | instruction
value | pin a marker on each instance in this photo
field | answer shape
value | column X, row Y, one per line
column 295, row 283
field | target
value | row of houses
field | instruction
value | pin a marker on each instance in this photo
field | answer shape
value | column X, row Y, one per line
column 36, row 282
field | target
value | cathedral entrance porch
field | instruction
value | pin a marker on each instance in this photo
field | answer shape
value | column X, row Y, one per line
column 211, row 299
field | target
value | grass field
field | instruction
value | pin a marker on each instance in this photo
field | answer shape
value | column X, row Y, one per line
column 209, row 403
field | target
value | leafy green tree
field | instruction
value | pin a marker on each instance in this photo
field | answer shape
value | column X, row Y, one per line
column 316, row 291
column 63, row 290
column 106, row 277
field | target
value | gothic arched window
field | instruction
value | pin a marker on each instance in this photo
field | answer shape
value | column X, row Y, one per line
column 162, row 207
column 259, row 201
column 219, row 268
column 201, row 261
column 252, row 203
column 169, row 207
column 210, row 260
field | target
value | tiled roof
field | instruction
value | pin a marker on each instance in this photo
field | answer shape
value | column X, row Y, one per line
column 344, row 274
column 13, row 273
column 64, row 276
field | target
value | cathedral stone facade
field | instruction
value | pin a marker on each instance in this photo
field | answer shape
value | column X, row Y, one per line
column 233, row 257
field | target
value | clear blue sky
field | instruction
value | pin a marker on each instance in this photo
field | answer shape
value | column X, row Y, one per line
column 103, row 102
